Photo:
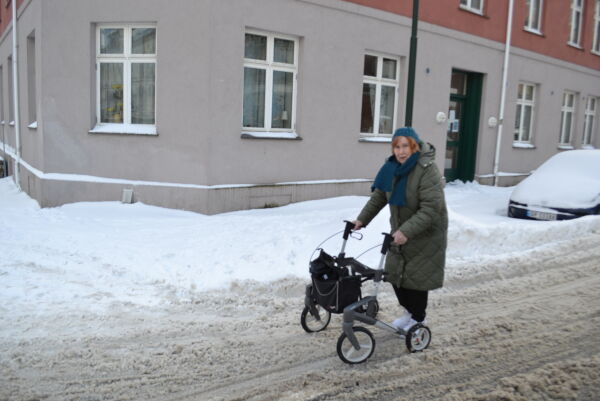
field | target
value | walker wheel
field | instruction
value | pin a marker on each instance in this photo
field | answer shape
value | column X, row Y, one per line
column 313, row 323
column 418, row 338
column 351, row 355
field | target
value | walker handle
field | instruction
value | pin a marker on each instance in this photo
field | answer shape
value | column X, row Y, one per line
column 348, row 229
column 387, row 241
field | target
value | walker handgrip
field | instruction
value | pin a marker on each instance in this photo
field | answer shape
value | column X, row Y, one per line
column 387, row 241
column 348, row 229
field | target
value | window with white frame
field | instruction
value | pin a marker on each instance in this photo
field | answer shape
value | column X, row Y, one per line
column 11, row 102
column 270, row 71
column 2, row 96
column 589, row 122
column 472, row 5
column 566, row 118
column 379, row 94
column 31, row 78
column 576, row 18
column 126, row 75
column 596, row 43
column 533, row 19
column 524, row 113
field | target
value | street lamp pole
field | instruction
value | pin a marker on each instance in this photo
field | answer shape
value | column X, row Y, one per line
column 412, row 62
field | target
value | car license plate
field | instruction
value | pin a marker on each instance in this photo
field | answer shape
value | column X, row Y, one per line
column 541, row 215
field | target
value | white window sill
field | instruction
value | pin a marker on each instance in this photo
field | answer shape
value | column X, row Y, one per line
column 565, row 147
column 12, row 123
column 375, row 139
column 33, row 125
column 575, row 45
column 594, row 52
column 588, row 147
column 522, row 145
column 124, row 129
column 471, row 10
column 269, row 135
column 533, row 31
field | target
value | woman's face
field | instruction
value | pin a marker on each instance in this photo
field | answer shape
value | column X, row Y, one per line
column 402, row 149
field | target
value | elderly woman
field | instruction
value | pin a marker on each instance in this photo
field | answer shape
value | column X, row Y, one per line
column 410, row 182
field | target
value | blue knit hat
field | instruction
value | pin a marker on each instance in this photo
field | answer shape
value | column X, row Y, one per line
column 409, row 132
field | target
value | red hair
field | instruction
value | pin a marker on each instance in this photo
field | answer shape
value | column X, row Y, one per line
column 414, row 146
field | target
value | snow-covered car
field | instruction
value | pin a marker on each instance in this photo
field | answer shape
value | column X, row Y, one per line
column 566, row 186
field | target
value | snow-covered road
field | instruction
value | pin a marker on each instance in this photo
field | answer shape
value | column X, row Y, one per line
column 103, row 301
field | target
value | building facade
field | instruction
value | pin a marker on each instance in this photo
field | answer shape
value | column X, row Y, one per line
column 220, row 105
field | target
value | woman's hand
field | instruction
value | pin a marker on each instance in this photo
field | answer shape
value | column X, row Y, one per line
column 357, row 225
column 399, row 238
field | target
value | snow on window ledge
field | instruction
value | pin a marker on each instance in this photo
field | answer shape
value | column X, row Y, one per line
column 33, row 125
column 12, row 123
column 588, row 147
column 523, row 145
column 270, row 135
column 124, row 129
column 376, row 139
column 566, row 147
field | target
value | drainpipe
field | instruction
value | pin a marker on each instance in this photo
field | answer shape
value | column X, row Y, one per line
column 503, row 92
column 16, row 93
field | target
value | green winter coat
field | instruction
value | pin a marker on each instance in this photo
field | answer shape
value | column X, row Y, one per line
column 418, row 264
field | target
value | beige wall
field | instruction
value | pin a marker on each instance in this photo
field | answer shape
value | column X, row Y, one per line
column 199, row 101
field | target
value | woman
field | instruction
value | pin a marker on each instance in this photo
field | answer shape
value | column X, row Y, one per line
column 410, row 183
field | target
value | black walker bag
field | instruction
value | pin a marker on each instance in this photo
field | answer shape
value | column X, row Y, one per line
column 333, row 287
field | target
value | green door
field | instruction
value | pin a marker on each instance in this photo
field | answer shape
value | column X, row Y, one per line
column 463, row 123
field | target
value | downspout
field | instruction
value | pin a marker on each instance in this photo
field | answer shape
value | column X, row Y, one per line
column 16, row 93
column 503, row 92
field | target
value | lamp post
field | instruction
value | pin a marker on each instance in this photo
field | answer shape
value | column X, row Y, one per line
column 412, row 62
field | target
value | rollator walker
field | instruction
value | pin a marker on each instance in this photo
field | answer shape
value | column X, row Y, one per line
column 356, row 343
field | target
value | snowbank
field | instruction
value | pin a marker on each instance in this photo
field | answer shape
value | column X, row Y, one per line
column 95, row 255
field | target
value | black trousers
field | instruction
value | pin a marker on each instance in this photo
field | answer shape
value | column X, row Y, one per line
column 414, row 301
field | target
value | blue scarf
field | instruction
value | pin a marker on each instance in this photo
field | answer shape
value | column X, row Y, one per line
column 391, row 170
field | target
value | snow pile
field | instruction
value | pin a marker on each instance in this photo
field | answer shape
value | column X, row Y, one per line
column 96, row 255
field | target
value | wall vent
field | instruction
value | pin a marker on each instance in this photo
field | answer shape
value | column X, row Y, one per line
column 127, row 196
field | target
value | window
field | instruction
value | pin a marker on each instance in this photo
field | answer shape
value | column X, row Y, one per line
column 472, row 5
column 31, row 88
column 524, row 115
column 11, row 103
column 533, row 19
column 126, row 78
column 566, row 119
column 596, row 44
column 576, row 16
column 589, row 122
column 379, row 95
column 270, row 70
column 2, row 95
